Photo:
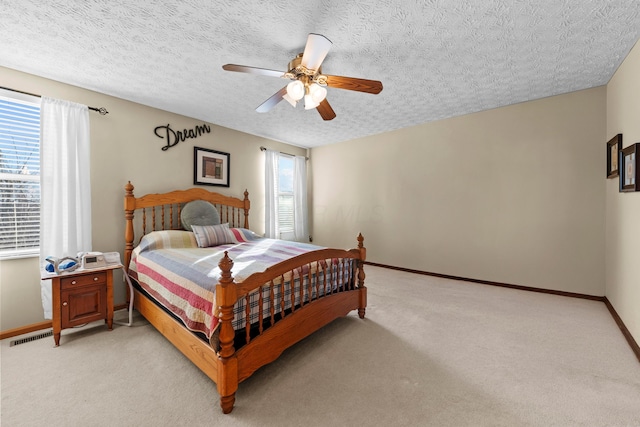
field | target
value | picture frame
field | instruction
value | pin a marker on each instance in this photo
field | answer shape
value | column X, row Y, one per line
column 629, row 166
column 210, row 167
column 613, row 148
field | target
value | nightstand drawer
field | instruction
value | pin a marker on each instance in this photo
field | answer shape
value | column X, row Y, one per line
column 85, row 279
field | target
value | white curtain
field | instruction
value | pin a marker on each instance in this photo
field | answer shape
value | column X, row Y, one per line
column 271, row 194
column 65, row 188
column 300, row 223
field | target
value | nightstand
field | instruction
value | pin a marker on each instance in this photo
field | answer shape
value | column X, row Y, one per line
column 81, row 296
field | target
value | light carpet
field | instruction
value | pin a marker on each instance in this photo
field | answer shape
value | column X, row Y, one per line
column 431, row 352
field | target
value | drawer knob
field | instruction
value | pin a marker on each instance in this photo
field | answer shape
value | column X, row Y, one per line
column 64, row 304
column 95, row 279
column 73, row 282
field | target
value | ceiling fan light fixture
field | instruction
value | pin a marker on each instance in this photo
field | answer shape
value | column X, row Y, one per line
column 309, row 102
column 318, row 93
column 290, row 100
column 295, row 90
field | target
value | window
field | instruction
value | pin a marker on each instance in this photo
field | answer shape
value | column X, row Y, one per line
column 19, row 175
column 285, row 197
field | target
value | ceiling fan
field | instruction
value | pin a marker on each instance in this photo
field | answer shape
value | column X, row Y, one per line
column 307, row 80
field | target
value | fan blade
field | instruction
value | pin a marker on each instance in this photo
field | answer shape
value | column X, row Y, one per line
column 315, row 51
column 253, row 70
column 272, row 101
column 350, row 83
column 325, row 110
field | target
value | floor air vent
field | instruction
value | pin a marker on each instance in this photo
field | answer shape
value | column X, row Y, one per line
column 31, row 338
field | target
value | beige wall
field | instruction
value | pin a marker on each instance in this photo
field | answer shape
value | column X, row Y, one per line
column 623, row 209
column 124, row 147
column 513, row 195
column 19, row 293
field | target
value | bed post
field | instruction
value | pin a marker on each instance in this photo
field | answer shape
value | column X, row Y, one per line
column 129, row 207
column 362, row 304
column 247, row 205
column 228, row 372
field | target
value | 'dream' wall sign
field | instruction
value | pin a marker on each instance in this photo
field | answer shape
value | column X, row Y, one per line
column 173, row 137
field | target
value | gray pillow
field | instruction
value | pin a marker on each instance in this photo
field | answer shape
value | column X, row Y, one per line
column 199, row 212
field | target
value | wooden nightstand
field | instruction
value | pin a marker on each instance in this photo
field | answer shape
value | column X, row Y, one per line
column 80, row 297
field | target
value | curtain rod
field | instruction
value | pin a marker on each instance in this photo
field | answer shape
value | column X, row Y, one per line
column 100, row 110
column 286, row 154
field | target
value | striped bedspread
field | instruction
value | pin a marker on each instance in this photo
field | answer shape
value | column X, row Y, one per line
column 180, row 276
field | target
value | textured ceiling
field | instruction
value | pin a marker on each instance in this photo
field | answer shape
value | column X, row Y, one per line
column 435, row 58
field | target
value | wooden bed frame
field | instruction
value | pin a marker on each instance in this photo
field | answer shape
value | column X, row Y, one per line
column 228, row 366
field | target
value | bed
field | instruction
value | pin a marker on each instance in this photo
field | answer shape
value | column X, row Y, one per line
column 251, row 304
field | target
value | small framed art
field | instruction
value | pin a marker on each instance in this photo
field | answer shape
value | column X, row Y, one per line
column 210, row 167
column 629, row 163
column 613, row 148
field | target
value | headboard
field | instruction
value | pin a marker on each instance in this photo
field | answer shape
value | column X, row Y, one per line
column 161, row 211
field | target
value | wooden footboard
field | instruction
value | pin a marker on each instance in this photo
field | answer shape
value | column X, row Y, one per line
column 337, row 299
column 294, row 328
column 335, row 295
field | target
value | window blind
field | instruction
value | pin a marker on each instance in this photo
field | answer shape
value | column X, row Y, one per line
column 286, row 215
column 19, row 177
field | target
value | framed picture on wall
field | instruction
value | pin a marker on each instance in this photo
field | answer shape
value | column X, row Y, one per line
column 210, row 167
column 629, row 163
column 613, row 148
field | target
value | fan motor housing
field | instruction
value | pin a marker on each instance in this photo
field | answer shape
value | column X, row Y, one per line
column 297, row 69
